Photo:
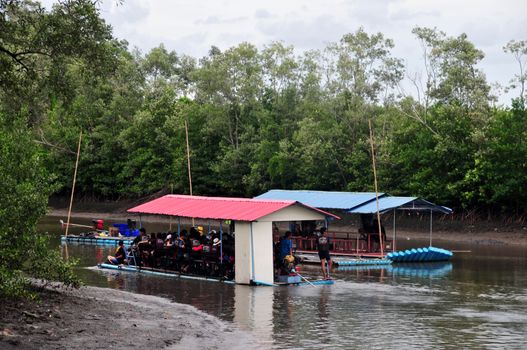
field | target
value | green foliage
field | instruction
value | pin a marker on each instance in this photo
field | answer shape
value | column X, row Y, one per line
column 364, row 69
column 257, row 118
column 433, row 164
column 499, row 174
column 37, row 47
column 518, row 49
column 53, row 82
column 24, row 193
column 452, row 73
column 269, row 119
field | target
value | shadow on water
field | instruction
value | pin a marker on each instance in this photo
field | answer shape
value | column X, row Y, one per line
column 477, row 300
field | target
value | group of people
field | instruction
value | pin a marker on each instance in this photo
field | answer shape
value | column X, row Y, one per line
column 191, row 251
column 209, row 254
column 285, row 260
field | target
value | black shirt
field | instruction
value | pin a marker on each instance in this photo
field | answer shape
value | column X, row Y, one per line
column 323, row 244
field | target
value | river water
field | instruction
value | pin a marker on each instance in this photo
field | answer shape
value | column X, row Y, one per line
column 476, row 301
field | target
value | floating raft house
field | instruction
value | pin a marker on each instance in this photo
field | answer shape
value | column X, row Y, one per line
column 366, row 203
column 126, row 234
column 253, row 218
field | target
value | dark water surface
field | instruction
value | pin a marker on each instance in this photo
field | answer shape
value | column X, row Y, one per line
column 476, row 301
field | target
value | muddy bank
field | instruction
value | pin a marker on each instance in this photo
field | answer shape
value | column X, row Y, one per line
column 98, row 318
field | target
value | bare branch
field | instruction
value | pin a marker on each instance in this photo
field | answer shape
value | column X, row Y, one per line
column 14, row 56
column 45, row 142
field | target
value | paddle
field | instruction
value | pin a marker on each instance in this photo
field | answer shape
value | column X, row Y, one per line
column 305, row 279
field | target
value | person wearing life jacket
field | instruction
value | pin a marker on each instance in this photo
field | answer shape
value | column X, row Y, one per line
column 120, row 255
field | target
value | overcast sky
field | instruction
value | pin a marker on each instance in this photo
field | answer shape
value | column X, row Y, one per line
column 193, row 26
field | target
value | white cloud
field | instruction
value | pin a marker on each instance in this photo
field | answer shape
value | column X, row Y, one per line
column 193, row 26
column 262, row 13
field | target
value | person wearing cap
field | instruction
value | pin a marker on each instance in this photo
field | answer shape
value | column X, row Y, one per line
column 168, row 240
column 215, row 247
column 323, row 253
column 120, row 255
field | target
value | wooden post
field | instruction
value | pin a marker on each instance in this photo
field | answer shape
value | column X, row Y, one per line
column 381, row 242
column 431, row 216
column 221, row 242
column 74, row 181
column 188, row 162
column 170, row 216
column 357, row 246
column 394, row 233
column 179, row 226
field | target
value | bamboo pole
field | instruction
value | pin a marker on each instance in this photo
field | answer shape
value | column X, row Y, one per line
column 74, row 181
column 431, row 216
column 394, row 232
column 381, row 242
column 170, row 216
column 188, row 162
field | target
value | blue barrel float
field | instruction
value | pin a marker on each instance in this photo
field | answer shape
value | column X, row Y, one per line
column 420, row 255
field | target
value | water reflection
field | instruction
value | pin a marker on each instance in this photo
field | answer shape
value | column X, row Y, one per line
column 412, row 270
column 479, row 300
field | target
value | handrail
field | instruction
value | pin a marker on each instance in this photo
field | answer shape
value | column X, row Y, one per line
column 366, row 244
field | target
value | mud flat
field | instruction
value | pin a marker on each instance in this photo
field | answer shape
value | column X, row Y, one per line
column 99, row 318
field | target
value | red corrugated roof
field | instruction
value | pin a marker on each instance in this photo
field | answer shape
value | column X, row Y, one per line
column 221, row 208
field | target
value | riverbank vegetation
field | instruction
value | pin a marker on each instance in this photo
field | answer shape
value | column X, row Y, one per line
column 258, row 118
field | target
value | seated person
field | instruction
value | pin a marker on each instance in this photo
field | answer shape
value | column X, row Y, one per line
column 286, row 246
column 140, row 237
column 168, row 241
column 120, row 255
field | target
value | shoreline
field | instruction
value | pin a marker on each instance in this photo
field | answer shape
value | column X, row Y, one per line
column 95, row 318
column 489, row 235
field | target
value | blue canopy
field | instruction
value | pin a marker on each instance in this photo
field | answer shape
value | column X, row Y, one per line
column 388, row 203
column 323, row 199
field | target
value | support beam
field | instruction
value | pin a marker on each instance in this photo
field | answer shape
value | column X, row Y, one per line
column 179, row 226
column 431, row 217
column 221, row 243
column 252, row 253
column 394, row 232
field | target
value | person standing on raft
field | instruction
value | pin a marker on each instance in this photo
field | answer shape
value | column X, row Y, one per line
column 323, row 253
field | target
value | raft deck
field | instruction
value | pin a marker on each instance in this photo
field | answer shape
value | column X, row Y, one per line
column 95, row 240
column 167, row 273
column 343, row 260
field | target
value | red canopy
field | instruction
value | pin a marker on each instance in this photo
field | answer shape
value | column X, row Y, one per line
column 221, row 208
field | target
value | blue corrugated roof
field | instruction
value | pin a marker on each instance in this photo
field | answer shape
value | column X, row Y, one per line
column 401, row 203
column 323, row 199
